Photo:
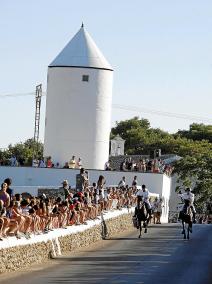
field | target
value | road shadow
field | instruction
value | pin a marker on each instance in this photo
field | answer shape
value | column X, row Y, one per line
column 121, row 239
column 163, row 226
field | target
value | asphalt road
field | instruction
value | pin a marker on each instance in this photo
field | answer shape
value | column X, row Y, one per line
column 160, row 257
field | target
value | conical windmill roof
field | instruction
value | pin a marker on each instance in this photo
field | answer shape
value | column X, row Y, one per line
column 81, row 51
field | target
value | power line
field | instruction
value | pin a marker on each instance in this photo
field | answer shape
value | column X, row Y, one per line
column 139, row 110
column 17, row 95
column 162, row 113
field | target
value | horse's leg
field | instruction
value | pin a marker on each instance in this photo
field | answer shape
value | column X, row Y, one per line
column 146, row 225
column 190, row 226
column 140, row 228
column 183, row 227
column 183, row 232
column 188, row 230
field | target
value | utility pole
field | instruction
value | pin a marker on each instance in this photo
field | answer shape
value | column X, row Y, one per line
column 38, row 95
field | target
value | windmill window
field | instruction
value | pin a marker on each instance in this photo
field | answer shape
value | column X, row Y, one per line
column 85, row 78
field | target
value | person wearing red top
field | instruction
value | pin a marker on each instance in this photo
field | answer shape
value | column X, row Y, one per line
column 49, row 163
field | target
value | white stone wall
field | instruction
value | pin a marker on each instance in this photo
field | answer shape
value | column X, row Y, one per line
column 29, row 179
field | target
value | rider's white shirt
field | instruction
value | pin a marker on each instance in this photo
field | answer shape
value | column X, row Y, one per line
column 187, row 196
column 122, row 183
column 144, row 194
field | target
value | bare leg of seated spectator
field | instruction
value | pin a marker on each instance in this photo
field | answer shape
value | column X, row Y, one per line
column 89, row 213
column 20, row 220
column 101, row 202
column 92, row 214
column 1, row 228
column 27, row 224
column 37, row 227
column 63, row 220
column 75, row 218
column 95, row 211
column 47, row 223
column 77, row 222
column 12, row 228
column 82, row 216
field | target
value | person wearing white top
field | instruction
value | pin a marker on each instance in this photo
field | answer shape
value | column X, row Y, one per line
column 144, row 192
column 122, row 182
column 188, row 196
column 79, row 163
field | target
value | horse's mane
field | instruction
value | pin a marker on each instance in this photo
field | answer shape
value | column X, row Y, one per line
column 140, row 204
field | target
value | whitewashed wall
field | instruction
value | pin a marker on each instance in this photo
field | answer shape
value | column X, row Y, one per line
column 29, row 179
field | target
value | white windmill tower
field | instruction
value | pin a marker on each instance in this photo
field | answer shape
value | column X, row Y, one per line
column 78, row 107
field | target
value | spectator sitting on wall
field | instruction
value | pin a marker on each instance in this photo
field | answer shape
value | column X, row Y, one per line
column 123, row 166
column 66, row 166
column 57, row 165
column 144, row 166
column 129, row 164
column 8, row 181
column 134, row 166
column 122, row 183
column 108, row 166
column 35, row 163
column 72, row 163
column 79, row 163
column 4, row 196
column 42, row 163
column 49, row 162
column 149, row 166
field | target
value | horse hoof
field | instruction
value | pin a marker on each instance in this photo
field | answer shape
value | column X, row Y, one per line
column 145, row 231
column 188, row 238
column 139, row 236
column 184, row 237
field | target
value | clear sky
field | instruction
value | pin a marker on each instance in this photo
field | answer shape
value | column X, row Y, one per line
column 161, row 51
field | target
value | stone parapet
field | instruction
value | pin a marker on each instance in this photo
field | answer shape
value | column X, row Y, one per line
column 15, row 255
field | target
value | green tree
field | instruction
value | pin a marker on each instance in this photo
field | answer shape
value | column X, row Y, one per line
column 194, row 146
column 24, row 151
column 197, row 132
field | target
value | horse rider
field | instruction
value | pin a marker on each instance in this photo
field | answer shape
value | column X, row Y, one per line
column 188, row 196
column 144, row 193
column 138, row 207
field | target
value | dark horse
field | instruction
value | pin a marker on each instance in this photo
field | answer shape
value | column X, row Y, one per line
column 142, row 215
column 186, row 217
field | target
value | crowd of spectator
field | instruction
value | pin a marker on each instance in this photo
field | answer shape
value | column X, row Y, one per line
column 128, row 164
column 143, row 165
column 47, row 163
column 73, row 163
column 25, row 216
